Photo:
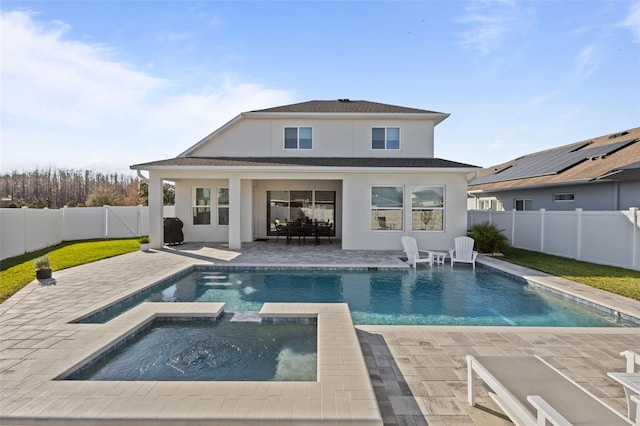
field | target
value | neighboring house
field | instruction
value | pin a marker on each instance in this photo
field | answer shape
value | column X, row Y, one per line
column 366, row 167
column 596, row 174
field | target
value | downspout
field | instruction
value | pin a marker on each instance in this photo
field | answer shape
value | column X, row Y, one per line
column 141, row 176
column 140, row 214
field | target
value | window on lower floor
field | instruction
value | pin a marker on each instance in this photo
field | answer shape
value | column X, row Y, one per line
column 201, row 206
column 522, row 204
column 563, row 196
column 223, row 206
column 427, row 208
column 490, row 204
column 387, row 208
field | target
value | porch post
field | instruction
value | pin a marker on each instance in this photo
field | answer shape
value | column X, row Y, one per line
column 235, row 216
column 155, row 211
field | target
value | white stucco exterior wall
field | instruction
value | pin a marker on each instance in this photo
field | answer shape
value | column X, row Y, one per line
column 331, row 138
column 357, row 233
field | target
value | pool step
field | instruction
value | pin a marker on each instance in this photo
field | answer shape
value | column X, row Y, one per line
column 247, row 316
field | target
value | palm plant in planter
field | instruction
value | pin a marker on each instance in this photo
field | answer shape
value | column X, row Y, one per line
column 43, row 267
column 144, row 243
column 489, row 239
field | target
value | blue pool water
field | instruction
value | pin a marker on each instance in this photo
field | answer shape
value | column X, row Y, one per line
column 211, row 351
column 429, row 296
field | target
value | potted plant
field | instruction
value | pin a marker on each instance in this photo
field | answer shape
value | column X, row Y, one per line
column 43, row 267
column 144, row 243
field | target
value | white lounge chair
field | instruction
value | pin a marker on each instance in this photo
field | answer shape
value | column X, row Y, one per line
column 463, row 251
column 633, row 360
column 630, row 381
column 410, row 247
column 532, row 392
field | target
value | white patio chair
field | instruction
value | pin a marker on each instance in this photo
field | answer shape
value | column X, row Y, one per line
column 532, row 392
column 463, row 251
column 413, row 254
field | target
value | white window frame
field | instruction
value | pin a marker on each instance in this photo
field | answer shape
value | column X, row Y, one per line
column 372, row 207
column 429, row 208
column 386, row 139
column 219, row 206
column 284, row 136
column 524, row 204
column 556, row 200
column 195, row 205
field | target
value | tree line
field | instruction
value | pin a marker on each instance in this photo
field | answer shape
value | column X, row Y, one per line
column 56, row 188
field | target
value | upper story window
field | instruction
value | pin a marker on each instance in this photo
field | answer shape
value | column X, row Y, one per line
column 298, row 138
column 385, row 138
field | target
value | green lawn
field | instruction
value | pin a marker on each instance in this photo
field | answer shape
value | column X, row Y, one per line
column 17, row 272
column 625, row 282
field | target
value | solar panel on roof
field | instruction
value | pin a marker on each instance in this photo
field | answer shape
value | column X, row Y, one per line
column 551, row 162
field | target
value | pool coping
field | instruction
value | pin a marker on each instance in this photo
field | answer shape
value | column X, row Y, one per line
column 342, row 394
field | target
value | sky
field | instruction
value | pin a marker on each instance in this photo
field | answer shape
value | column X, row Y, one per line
column 102, row 85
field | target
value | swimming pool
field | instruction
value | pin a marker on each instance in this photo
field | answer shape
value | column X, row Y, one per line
column 429, row 296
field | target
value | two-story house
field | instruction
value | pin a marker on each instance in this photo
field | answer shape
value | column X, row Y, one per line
column 366, row 167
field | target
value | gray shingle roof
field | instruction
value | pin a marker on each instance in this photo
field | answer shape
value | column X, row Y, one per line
column 345, row 106
column 305, row 161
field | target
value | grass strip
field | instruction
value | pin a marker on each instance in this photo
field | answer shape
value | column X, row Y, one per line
column 625, row 282
column 17, row 272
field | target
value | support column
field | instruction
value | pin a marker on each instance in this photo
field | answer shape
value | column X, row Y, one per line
column 156, row 201
column 246, row 220
column 235, row 217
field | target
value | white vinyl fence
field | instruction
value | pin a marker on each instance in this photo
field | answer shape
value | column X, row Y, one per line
column 604, row 237
column 25, row 230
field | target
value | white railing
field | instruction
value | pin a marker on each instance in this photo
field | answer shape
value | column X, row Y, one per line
column 604, row 237
column 25, row 230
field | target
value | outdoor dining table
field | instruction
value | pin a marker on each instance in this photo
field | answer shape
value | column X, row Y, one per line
column 304, row 229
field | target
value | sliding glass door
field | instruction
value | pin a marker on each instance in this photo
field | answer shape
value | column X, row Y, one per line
column 291, row 206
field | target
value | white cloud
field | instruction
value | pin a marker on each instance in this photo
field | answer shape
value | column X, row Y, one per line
column 632, row 21
column 588, row 61
column 490, row 22
column 70, row 104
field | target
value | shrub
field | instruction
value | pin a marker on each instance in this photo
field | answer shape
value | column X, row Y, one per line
column 488, row 238
column 42, row 262
column 144, row 240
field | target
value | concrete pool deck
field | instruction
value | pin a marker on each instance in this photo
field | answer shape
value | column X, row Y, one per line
column 418, row 373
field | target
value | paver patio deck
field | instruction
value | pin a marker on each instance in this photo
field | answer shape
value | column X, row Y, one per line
column 418, row 372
